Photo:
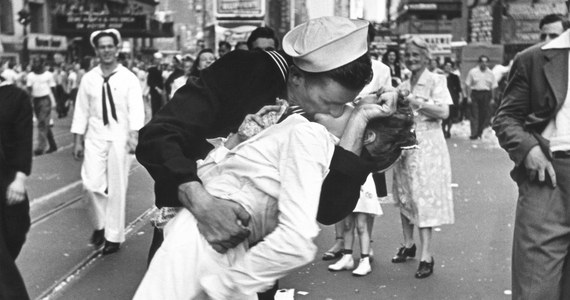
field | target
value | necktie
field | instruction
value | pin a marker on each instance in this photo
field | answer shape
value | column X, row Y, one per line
column 111, row 102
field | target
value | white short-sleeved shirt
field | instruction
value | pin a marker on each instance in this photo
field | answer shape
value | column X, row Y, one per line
column 40, row 84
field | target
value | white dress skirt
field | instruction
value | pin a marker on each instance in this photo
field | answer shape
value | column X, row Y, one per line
column 368, row 201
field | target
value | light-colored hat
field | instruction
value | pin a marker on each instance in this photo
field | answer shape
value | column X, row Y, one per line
column 326, row 43
column 157, row 55
column 111, row 31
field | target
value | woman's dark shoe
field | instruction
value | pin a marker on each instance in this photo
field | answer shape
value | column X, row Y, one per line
column 332, row 255
column 425, row 269
column 404, row 253
column 111, row 247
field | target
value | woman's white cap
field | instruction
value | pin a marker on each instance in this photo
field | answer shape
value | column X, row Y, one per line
column 326, row 43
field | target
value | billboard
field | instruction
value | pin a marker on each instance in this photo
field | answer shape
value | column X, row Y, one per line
column 239, row 9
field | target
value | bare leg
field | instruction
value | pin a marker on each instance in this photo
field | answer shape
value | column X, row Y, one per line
column 363, row 234
column 408, row 231
column 425, row 238
column 339, row 238
column 349, row 232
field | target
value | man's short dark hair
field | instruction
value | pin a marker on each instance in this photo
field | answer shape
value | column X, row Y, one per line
column 483, row 56
column 224, row 44
column 354, row 75
column 552, row 18
column 262, row 32
column 103, row 34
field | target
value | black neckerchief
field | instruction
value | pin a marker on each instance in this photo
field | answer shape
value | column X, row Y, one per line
column 111, row 102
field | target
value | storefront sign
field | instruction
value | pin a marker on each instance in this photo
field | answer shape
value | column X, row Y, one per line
column 87, row 23
column 239, row 8
column 47, row 42
column 438, row 44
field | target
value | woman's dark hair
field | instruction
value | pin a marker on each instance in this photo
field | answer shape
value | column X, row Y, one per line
column 393, row 134
column 354, row 75
column 194, row 70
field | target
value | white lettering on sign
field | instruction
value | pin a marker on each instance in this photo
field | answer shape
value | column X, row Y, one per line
column 437, row 43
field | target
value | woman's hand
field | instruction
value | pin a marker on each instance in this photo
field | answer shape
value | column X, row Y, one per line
column 254, row 123
column 16, row 191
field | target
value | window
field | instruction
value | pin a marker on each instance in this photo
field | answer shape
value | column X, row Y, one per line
column 37, row 17
column 6, row 17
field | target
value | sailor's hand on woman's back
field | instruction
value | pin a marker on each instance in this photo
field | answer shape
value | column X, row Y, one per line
column 222, row 222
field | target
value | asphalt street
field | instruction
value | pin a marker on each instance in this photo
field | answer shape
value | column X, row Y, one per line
column 472, row 256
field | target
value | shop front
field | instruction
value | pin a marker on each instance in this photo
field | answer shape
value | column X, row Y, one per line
column 51, row 48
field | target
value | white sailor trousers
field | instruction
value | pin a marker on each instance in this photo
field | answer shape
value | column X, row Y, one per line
column 105, row 174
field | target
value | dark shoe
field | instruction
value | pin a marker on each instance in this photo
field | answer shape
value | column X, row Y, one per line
column 51, row 150
column 111, row 247
column 425, row 269
column 98, row 238
column 330, row 255
column 404, row 253
column 447, row 135
column 38, row 152
column 473, row 137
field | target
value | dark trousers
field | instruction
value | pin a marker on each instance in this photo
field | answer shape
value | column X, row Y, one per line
column 14, row 224
column 155, row 101
column 158, row 238
column 480, row 111
column 42, row 110
column 541, row 244
column 61, row 100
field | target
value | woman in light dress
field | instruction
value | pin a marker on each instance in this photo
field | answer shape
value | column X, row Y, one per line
column 422, row 178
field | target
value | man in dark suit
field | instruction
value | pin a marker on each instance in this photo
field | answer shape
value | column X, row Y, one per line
column 533, row 126
column 156, row 84
column 15, row 165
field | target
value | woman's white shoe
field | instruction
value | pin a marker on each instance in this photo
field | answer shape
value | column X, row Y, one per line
column 345, row 263
column 364, row 267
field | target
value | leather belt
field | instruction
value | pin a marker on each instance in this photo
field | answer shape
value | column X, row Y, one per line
column 561, row 154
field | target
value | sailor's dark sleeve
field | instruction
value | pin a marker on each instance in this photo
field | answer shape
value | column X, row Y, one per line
column 174, row 139
column 341, row 188
column 19, row 149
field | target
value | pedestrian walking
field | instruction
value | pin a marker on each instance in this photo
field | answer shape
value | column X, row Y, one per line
column 480, row 86
column 533, row 126
column 172, row 142
column 454, row 88
column 155, row 83
column 41, row 85
column 109, row 111
column 16, row 135
column 422, row 178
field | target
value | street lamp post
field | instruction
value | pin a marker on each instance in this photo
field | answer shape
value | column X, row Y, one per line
column 25, row 19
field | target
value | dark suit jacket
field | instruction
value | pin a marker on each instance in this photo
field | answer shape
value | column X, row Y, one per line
column 535, row 92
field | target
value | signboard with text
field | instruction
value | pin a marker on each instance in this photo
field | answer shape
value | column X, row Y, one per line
column 239, row 8
column 47, row 42
column 73, row 24
column 439, row 44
